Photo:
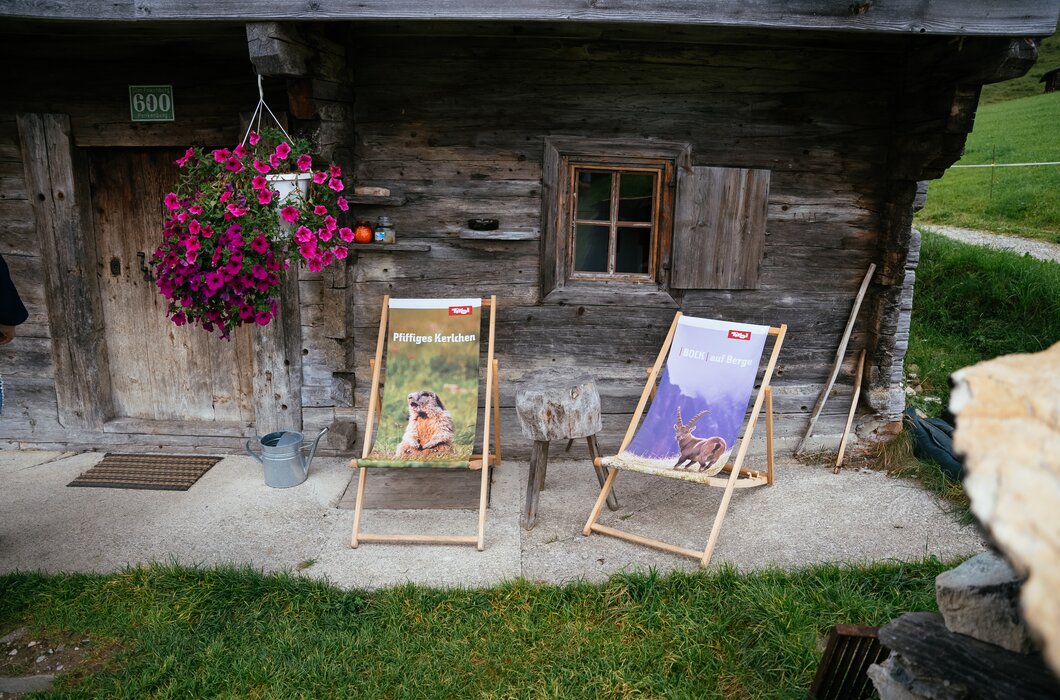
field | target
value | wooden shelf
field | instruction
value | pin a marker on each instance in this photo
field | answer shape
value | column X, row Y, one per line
column 394, row 200
column 531, row 234
column 389, row 247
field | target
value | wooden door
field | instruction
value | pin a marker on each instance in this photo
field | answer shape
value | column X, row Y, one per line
column 159, row 371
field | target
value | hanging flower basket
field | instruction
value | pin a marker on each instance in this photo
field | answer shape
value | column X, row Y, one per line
column 237, row 219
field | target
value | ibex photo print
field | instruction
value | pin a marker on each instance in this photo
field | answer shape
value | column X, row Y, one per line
column 701, row 399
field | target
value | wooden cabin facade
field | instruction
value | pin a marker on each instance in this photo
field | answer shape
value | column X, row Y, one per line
column 780, row 153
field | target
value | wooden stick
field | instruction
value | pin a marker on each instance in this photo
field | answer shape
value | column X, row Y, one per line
column 840, row 352
column 419, row 539
column 637, row 539
column 769, row 435
column 496, row 414
column 484, row 491
column 850, row 415
column 745, row 442
column 373, row 404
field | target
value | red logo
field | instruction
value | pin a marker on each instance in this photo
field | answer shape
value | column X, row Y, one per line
column 459, row 310
column 740, row 335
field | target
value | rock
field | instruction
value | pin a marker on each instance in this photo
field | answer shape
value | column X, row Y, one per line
column 1008, row 429
column 26, row 684
column 980, row 598
column 888, row 677
column 929, row 661
column 13, row 635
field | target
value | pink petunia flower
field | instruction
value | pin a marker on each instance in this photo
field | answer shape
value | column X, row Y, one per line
column 195, row 209
column 327, row 258
column 343, row 204
column 346, row 234
column 320, row 210
column 319, row 177
column 274, row 160
column 235, row 210
column 194, row 227
column 207, row 231
column 324, row 234
column 340, row 252
column 259, row 272
column 336, row 184
column 179, row 318
column 262, row 168
column 315, row 264
column 264, row 196
column 330, row 224
column 172, row 202
column 181, row 216
column 234, row 165
column 183, row 160
column 304, row 162
column 254, row 138
column 335, row 171
column 257, row 182
column 262, row 318
column 225, row 196
column 260, row 244
column 240, row 151
column 289, row 214
column 221, row 155
column 283, row 150
column 303, row 234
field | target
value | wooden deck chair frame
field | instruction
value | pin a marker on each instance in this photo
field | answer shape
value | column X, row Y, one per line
column 476, row 462
column 751, row 478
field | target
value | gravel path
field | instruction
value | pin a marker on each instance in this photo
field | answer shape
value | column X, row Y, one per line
column 1043, row 250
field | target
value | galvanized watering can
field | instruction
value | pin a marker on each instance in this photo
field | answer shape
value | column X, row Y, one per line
column 283, row 455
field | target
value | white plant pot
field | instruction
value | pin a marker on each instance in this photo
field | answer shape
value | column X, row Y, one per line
column 285, row 185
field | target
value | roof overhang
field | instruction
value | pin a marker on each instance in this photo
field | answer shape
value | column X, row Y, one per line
column 942, row 17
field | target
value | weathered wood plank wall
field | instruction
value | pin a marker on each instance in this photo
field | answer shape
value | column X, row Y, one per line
column 457, row 123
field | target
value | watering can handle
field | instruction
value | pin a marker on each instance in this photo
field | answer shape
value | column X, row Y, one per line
column 252, row 453
column 312, row 449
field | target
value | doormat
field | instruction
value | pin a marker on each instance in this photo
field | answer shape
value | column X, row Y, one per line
column 158, row 472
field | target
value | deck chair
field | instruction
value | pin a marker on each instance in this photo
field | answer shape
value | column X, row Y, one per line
column 695, row 416
column 425, row 414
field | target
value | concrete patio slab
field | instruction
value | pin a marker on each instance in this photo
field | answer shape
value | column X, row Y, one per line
column 230, row 517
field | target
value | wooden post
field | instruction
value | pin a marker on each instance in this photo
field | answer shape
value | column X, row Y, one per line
column 601, row 471
column 535, row 481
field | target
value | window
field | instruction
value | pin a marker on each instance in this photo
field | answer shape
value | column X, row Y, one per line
column 615, row 218
column 627, row 221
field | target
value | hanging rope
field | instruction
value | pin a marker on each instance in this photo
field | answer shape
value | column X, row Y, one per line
column 259, row 110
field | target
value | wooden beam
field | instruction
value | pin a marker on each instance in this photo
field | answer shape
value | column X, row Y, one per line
column 57, row 185
column 278, row 362
column 278, row 49
column 957, row 17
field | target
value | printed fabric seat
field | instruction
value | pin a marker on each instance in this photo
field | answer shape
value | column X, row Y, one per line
column 699, row 387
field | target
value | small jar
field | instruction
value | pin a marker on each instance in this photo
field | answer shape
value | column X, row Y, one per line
column 384, row 230
column 363, row 232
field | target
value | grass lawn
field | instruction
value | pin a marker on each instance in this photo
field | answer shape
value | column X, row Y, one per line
column 1022, row 201
column 972, row 304
column 169, row 631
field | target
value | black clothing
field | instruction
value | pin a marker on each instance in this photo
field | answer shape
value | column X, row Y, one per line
column 12, row 310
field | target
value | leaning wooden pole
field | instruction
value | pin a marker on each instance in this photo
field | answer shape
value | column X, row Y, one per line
column 840, row 353
column 850, row 415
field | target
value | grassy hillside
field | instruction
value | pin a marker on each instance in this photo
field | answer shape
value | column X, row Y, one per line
column 1023, row 201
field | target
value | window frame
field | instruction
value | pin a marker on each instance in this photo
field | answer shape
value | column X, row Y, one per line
column 662, row 214
column 562, row 154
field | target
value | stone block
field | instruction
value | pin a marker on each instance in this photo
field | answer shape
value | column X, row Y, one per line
column 980, row 599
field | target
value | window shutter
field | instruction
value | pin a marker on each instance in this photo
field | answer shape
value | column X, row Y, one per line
column 719, row 228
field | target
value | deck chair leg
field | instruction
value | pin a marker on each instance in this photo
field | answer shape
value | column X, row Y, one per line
column 588, row 529
column 361, row 478
column 601, row 472
column 483, row 499
column 769, row 435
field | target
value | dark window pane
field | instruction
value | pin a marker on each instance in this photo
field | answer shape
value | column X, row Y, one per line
column 633, row 250
column 594, row 195
column 636, row 195
column 590, row 248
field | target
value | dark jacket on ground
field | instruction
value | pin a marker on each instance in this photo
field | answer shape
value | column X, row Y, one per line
column 12, row 310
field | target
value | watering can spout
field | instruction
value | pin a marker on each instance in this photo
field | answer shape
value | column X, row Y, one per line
column 313, row 449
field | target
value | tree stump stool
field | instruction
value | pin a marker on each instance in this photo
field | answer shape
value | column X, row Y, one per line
column 552, row 407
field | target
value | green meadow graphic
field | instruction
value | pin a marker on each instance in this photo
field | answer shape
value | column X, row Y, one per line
column 430, row 397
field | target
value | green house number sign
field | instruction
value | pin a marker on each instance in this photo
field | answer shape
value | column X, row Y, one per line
column 151, row 103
